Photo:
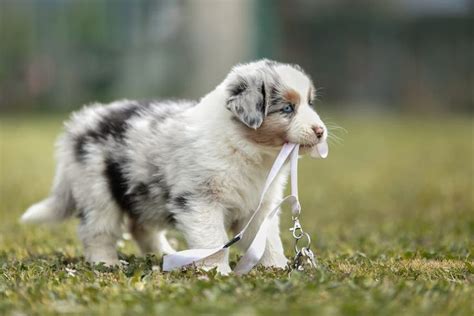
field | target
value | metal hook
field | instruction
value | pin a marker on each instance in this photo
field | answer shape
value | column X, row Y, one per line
column 297, row 230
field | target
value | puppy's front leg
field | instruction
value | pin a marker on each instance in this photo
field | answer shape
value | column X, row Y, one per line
column 274, row 255
column 203, row 227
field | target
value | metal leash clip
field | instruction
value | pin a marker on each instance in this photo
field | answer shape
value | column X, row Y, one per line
column 297, row 230
column 304, row 257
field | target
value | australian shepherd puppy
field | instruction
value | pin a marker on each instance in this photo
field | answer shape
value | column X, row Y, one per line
column 196, row 166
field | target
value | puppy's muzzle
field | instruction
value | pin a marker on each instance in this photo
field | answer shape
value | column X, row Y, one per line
column 319, row 131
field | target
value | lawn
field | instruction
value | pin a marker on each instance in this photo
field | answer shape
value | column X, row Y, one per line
column 390, row 211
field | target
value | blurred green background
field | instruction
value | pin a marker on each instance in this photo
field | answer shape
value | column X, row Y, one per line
column 390, row 210
column 394, row 55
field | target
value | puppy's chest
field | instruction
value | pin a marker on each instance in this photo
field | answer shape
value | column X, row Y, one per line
column 243, row 190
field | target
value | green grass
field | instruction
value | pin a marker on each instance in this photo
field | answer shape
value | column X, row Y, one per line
column 390, row 211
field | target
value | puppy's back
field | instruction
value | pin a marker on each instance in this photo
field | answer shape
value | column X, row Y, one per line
column 92, row 151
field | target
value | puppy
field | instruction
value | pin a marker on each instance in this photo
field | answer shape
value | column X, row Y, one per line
column 196, row 166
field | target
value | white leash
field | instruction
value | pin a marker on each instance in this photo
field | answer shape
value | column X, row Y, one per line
column 256, row 249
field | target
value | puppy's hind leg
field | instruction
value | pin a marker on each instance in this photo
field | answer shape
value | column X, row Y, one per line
column 150, row 239
column 163, row 243
column 99, row 234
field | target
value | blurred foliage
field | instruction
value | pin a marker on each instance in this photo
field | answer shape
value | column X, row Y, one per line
column 58, row 54
column 379, row 56
column 397, row 55
column 390, row 213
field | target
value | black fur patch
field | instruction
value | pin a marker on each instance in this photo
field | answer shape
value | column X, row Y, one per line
column 170, row 218
column 240, row 110
column 81, row 216
column 79, row 147
column 182, row 200
column 117, row 184
column 114, row 124
column 238, row 87
column 119, row 187
column 261, row 105
column 275, row 97
column 277, row 103
column 132, row 199
column 165, row 189
column 159, row 184
column 140, row 190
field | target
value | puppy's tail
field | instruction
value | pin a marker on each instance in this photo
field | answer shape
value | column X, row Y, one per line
column 57, row 207
column 45, row 211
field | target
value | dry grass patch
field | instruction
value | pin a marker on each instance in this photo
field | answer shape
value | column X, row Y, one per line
column 430, row 265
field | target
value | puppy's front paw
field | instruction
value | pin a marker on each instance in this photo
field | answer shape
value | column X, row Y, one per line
column 274, row 260
column 223, row 268
column 219, row 260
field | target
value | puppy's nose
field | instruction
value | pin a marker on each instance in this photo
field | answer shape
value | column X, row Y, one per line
column 319, row 131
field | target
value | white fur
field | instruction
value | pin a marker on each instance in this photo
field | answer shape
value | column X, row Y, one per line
column 41, row 212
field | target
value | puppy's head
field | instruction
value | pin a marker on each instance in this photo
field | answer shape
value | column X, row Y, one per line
column 273, row 104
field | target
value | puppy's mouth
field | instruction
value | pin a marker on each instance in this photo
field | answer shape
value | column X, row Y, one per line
column 307, row 148
column 316, row 150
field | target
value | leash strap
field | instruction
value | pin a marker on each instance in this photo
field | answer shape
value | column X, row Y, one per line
column 256, row 249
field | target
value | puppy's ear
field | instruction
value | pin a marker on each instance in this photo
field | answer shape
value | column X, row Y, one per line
column 247, row 100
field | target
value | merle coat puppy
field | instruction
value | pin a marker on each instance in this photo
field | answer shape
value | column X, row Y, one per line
column 196, row 166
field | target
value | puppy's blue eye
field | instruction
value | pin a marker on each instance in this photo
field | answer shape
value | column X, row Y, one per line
column 288, row 108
